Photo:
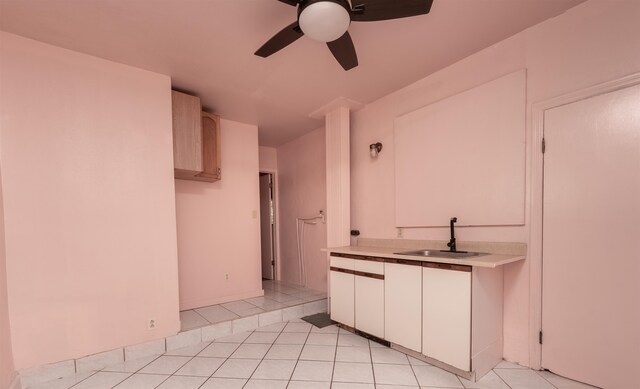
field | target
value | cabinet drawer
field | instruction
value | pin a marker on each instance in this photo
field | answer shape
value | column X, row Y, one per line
column 369, row 267
column 343, row 263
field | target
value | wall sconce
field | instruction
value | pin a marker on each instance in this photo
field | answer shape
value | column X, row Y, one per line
column 374, row 149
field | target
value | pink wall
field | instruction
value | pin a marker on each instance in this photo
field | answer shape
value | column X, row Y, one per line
column 268, row 159
column 219, row 225
column 591, row 43
column 89, row 202
column 302, row 193
column 6, row 351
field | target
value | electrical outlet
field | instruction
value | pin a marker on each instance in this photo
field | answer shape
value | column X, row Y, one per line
column 226, row 276
column 151, row 324
column 400, row 232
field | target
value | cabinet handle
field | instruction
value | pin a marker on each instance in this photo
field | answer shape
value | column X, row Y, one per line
column 359, row 257
column 447, row 266
column 369, row 275
column 403, row 261
column 340, row 270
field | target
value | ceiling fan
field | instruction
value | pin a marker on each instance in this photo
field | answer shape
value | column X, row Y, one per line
column 328, row 21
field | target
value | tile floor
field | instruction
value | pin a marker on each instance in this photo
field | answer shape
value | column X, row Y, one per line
column 295, row 355
column 277, row 295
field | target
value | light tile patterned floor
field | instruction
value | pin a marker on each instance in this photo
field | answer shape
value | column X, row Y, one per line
column 277, row 295
column 295, row 355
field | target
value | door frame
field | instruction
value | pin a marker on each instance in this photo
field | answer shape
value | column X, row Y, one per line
column 534, row 254
column 276, row 215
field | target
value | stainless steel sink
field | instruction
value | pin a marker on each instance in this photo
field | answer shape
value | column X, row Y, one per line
column 442, row 253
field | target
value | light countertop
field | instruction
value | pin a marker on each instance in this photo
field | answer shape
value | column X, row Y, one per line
column 488, row 260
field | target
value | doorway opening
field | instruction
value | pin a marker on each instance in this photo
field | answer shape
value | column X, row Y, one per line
column 268, row 226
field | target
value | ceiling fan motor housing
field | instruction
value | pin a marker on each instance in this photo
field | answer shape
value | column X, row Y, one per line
column 324, row 20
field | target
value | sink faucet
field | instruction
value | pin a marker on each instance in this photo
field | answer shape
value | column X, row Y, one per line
column 452, row 241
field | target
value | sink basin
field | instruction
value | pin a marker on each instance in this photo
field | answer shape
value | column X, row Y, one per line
column 441, row 253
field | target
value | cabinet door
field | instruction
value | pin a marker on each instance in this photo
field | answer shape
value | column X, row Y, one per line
column 187, row 134
column 342, row 297
column 370, row 296
column 211, row 169
column 446, row 330
column 403, row 305
column 370, row 305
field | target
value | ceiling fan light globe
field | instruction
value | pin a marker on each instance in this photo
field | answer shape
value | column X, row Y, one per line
column 324, row 21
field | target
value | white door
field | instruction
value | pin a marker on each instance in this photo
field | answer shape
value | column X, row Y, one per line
column 446, row 312
column 266, row 226
column 403, row 305
column 591, row 240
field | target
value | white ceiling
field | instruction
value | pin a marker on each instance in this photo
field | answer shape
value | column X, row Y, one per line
column 207, row 47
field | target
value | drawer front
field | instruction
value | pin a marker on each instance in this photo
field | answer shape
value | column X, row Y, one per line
column 343, row 263
column 369, row 267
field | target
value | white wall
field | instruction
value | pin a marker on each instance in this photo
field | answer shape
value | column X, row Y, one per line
column 87, row 176
column 7, row 372
column 268, row 159
column 302, row 193
column 591, row 43
column 219, row 225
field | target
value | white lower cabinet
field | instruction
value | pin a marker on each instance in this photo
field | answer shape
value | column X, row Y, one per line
column 342, row 295
column 369, row 288
column 448, row 312
column 403, row 304
column 446, row 315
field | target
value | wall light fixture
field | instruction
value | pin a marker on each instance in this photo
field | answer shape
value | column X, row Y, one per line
column 374, row 149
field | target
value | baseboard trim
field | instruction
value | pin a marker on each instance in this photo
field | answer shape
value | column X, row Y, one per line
column 15, row 383
column 469, row 375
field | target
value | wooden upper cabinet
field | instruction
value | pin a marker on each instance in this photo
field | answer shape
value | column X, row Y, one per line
column 196, row 140
column 187, row 135
column 211, row 170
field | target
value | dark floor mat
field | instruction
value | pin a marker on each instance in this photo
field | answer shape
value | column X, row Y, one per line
column 319, row 320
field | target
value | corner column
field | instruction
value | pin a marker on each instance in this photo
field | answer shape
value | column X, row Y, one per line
column 338, row 176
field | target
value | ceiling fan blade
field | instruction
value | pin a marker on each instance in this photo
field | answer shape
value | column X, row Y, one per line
column 374, row 10
column 290, row 2
column 284, row 38
column 344, row 51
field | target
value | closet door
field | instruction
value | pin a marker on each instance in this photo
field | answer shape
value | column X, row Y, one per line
column 591, row 252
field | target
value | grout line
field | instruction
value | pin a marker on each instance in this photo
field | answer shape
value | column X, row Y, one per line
column 299, row 355
column 416, row 376
column 265, row 354
column 205, row 319
column 90, row 375
column 226, row 359
column 373, row 372
column 544, row 378
column 501, row 379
